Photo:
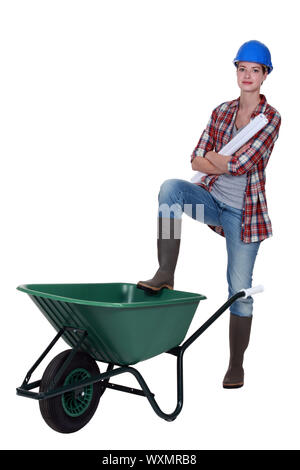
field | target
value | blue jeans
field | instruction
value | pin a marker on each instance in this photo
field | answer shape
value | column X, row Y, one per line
column 198, row 203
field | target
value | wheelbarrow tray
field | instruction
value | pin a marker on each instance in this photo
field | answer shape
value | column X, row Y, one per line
column 124, row 324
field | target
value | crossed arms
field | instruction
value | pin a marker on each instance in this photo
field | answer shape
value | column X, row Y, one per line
column 258, row 148
column 214, row 163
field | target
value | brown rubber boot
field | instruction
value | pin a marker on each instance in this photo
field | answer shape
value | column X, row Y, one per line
column 239, row 334
column 168, row 243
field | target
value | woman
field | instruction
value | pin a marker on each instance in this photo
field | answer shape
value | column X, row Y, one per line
column 232, row 194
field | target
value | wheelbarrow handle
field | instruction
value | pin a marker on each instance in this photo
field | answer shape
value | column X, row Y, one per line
column 252, row 290
column 243, row 293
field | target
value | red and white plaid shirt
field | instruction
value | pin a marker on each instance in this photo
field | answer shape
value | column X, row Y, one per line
column 256, row 224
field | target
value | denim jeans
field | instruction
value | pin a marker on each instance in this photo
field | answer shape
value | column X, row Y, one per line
column 185, row 197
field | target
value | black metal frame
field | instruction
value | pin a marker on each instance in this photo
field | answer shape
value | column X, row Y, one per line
column 26, row 387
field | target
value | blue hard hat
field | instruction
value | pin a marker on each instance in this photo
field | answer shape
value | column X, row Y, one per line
column 254, row 51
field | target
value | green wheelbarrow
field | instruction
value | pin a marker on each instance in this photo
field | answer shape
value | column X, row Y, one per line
column 114, row 323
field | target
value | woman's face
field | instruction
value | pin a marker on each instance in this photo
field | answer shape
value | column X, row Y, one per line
column 250, row 76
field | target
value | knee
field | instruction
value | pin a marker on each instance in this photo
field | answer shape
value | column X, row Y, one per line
column 167, row 188
column 169, row 198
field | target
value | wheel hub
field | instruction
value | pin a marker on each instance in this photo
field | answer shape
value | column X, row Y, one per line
column 76, row 402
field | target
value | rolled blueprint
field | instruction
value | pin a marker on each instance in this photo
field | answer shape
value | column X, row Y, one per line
column 255, row 125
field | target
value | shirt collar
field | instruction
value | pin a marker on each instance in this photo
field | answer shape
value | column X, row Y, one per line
column 260, row 108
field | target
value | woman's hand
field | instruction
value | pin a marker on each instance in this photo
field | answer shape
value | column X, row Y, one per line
column 242, row 150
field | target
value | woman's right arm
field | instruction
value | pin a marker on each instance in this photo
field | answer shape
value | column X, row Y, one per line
column 206, row 144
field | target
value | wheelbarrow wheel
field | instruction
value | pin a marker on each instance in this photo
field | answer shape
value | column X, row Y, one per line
column 71, row 411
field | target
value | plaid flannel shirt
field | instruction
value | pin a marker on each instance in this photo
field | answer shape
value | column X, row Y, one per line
column 256, row 224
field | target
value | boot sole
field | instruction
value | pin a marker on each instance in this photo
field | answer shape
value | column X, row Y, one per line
column 147, row 288
column 239, row 385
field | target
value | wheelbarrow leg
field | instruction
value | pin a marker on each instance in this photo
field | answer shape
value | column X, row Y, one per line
column 25, row 385
column 42, row 356
column 150, row 396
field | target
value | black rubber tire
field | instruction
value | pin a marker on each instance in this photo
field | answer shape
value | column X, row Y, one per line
column 52, row 409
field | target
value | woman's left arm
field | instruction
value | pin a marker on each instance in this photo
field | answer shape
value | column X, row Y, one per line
column 251, row 153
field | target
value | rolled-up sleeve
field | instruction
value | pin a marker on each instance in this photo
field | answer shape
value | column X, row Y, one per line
column 207, row 139
column 261, row 147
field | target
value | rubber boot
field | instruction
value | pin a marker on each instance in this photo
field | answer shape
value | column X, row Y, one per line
column 239, row 334
column 168, row 243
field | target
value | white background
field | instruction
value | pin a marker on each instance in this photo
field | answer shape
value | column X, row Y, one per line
column 100, row 103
